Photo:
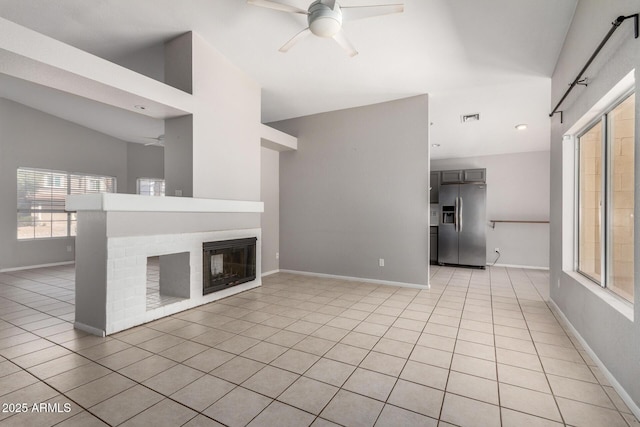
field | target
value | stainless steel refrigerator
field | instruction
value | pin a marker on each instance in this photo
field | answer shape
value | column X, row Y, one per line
column 462, row 229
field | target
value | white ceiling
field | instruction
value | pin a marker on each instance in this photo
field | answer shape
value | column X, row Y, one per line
column 493, row 57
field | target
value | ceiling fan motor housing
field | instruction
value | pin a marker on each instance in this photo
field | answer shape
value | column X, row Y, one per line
column 324, row 21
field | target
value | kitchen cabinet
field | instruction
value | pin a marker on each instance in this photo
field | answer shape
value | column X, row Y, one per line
column 433, row 245
column 434, row 184
column 451, row 177
column 462, row 176
column 475, row 175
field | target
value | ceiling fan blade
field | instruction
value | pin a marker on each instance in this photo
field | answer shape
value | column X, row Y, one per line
column 330, row 3
column 277, row 6
column 345, row 44
column 352, row 13
column 288, row 45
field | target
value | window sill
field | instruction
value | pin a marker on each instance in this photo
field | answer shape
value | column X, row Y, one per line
column 40, row 239
column 621, row 306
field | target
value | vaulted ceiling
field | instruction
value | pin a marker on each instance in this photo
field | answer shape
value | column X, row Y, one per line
column 492, row 57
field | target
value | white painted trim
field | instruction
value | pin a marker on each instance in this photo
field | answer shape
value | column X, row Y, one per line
column 358, row 279
column 269, row 273
column 29, row 267
column 623, row 307
column 529, row 267
column 616, row 385
column 277, row 140
column 137, row 203
column 34, row 57
column 89, row 329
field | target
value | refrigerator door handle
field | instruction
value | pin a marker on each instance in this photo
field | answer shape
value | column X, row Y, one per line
column 455, row 215
column 460, row 214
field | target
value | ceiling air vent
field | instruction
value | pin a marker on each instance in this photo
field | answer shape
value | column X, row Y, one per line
column 470, row 117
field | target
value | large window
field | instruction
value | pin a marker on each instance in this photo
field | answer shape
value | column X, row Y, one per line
column 151, row 187
column 606, row 199
column 41, row 199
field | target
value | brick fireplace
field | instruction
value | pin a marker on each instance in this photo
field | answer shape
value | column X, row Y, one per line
column 118, row 233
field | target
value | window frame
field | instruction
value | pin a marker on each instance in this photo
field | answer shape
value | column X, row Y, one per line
column 162, row 180
column 605, row 188
column 601, row 119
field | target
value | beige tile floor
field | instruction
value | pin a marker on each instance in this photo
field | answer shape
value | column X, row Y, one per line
column 480, row 348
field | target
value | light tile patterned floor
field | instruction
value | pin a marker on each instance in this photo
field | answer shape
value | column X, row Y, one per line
column 480, row 348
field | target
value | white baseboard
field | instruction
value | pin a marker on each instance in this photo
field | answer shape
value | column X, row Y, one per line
column 616, row 385
column 269, row 273
column 527, row 267
column 358, row 279
column 30, row 267
column 89, row 329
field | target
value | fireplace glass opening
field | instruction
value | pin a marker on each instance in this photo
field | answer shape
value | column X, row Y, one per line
column 228, row 263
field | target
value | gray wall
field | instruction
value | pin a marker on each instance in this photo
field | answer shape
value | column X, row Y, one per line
column 178, row 156
column 148, row 60
column 517, row 189
column 143, row 162
column 30, row 138
column 613, row 337
column 270, row 218
column 356, row 190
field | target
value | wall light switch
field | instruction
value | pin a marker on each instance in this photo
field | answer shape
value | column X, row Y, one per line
column 277, row 255
column 381, row 262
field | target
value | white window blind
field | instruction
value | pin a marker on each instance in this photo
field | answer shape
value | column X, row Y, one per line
column 41, row 200
column 151, row 187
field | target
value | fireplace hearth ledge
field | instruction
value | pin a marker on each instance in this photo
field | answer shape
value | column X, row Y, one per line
column 114, row 241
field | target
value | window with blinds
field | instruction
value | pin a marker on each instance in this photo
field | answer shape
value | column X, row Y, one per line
column 41, row 200
column 151, row 187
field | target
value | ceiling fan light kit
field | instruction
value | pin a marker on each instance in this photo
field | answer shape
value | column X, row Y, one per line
column 325, row 20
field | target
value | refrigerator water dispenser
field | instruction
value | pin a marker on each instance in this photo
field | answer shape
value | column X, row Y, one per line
column 448, row 214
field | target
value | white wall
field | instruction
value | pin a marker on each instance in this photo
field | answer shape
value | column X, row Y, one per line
column 270, row 218
column 355, row 191
column 30, row 138
column 517, row 189
column 224, row 136
column 614, row 338
column 226, row 128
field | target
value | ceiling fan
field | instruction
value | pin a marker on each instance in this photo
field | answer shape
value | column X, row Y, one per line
column 158, row 140
column 325, row 18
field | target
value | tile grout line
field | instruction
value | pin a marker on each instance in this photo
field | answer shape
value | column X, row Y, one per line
column 455, row 343
column 536, row 347
column 573, row 344
column 517, row 297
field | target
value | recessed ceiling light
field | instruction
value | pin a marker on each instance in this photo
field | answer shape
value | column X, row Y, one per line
column 139, row 107
column 435, row 145
column 521, row 126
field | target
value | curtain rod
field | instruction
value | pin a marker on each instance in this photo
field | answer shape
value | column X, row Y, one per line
column 578, row 80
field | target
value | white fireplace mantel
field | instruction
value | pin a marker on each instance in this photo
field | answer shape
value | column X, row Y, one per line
column 116, row 202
